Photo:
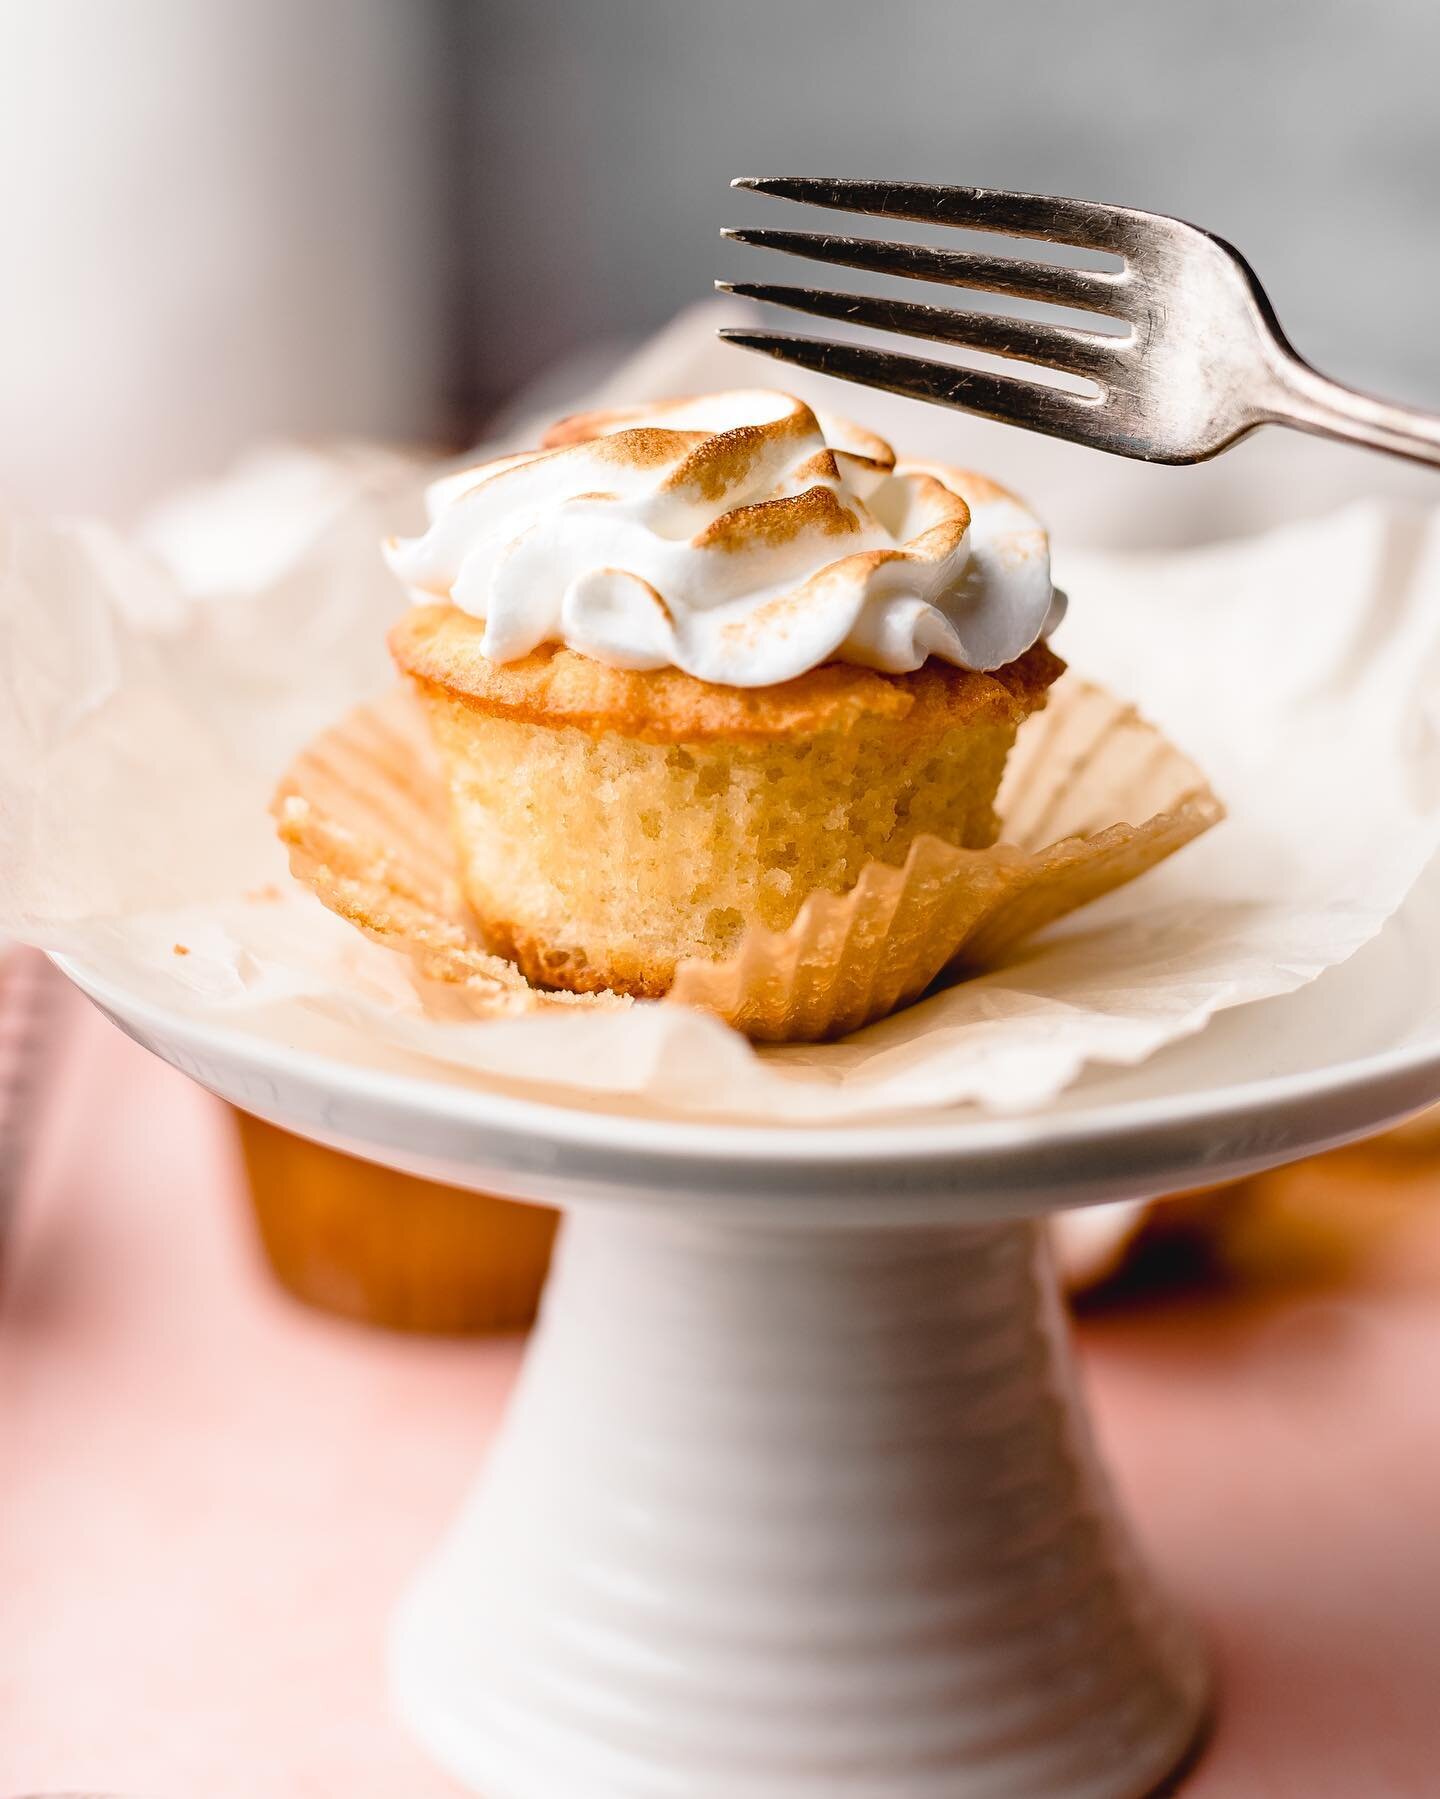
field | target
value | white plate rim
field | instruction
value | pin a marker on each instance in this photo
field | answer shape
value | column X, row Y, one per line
column 797, row 1144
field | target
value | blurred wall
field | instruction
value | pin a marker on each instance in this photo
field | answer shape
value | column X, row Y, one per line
column 1307, row 131
column 237, row 218
column 223, row 219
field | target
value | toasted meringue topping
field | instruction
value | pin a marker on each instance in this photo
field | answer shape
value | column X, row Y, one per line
column 740, row 537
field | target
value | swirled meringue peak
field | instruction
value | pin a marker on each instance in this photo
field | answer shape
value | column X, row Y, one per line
column 740, row 537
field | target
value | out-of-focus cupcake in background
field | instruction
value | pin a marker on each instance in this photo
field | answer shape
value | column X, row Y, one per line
column 1314, row 1224
column 405, row 1254
column 389, row 1249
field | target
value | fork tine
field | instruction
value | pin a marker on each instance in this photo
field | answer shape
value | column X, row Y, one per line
column 1084, row 223
column 1088, row 290
column 1090, row 353
column 1047, row 409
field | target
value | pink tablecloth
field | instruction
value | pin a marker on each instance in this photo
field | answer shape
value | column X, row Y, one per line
column 209, row 1497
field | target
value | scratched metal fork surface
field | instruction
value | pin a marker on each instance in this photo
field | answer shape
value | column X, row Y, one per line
column 1199, row 362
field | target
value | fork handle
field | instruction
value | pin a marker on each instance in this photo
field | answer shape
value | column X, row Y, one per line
column 1312, row 402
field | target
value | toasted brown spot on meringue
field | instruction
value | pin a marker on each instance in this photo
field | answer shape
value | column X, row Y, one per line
column 964, row 483
column 847, row 438
column 822, row 466
column 773, row 616
column 952, row 503
column 935, row 544
column 772, row 522
column 646, row 446
column 981, row 487
column 586, row 427
column 509, row 468
column 611, row 433
column 723, row 461
column 770, row 619
column 842, row 433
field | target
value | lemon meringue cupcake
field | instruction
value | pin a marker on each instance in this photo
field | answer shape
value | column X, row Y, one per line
column 690, row 663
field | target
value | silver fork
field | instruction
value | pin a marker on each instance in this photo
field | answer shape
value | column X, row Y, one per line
column 1203, row 363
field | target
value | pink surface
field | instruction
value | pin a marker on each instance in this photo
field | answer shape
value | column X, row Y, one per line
column 210, row 1497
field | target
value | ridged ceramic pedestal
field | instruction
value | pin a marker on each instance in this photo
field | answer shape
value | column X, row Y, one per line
column 796, row 1499
column 796, row 1514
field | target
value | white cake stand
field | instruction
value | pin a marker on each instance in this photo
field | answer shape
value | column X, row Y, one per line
column 797, row 1498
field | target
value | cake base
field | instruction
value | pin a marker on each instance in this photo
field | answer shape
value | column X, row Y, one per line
column 797, row 1514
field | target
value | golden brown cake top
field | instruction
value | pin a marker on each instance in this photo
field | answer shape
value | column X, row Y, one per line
column 441, row 648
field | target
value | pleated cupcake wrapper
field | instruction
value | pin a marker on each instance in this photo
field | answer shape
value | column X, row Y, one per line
column 1092, row 797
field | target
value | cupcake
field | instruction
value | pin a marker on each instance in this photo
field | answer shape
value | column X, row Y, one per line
column 688, row 664
column 389, row 1249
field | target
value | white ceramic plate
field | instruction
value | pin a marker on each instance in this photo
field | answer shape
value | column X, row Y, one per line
column 1351, row 1053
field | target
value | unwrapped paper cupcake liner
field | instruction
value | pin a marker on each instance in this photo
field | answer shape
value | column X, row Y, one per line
column 1093, row 796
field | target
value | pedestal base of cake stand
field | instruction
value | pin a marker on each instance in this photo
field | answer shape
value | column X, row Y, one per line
column 797, row 1513
column 797, row 1498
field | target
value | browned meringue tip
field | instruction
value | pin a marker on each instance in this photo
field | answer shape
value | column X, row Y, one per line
column 1093, row 797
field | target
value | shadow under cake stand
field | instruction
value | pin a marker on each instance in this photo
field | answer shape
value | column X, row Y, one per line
column 796, row 1497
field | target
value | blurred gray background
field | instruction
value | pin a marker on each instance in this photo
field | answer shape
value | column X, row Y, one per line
column 1305, row 131
column 241, row 218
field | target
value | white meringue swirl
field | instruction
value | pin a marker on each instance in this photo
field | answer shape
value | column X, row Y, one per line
column 739, row 537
